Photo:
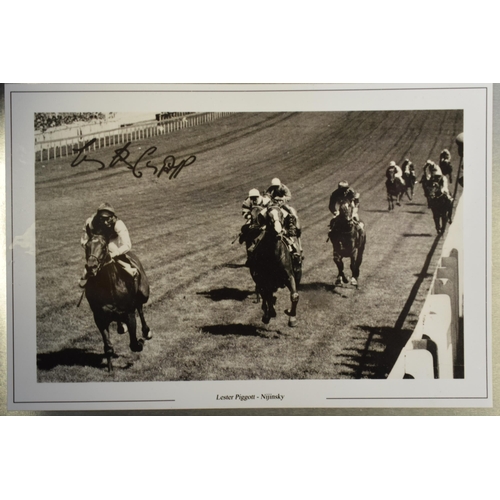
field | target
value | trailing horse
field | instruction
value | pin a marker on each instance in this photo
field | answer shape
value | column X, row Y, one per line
column 441, row 206
column 348, row 239
column 395, row 188
column 409, row 177
column 114, row 295
column 446, row 169
column 272, row 267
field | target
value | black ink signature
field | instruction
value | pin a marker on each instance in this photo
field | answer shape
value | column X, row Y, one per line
column 169, row 165
column 80, row 151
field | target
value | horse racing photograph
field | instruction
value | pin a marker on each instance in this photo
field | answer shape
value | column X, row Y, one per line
column 243, row 246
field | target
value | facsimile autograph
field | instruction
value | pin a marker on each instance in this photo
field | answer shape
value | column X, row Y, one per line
column 169, row 165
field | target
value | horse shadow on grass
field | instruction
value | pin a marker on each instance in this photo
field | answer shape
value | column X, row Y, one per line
column 376, row 359
column 345, row 291
column 417, row 235
column 71, row 357
column 383, row 345
column 241, row 330
column 226, row 293
column 232, row 265
column 68, row 357
column 316, row 286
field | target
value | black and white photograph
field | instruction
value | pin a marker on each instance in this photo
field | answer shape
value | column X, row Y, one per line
column 212, row 249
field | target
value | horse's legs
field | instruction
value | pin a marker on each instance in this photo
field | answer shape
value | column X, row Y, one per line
column 357, row 258
column 354, row 267
column 437, row 220
column 135, row 344
column 268, row 301
column 109, row 351
column 121, row 328
column 146, row 332
column 294, row 300
column 341, row 278
column 257, row 295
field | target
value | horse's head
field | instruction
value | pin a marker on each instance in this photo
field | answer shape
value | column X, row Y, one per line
column 344, row 222
column 391, row 174
column 274, row 218
column 255, row 215
column 96, row 254
column 345, row 210
column 434, row 189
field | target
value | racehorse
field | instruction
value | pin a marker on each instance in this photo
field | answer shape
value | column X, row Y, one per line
column 446, row 169
column 395, row 188
column 272, row 267
column 440, row 205
column 114, row 295
column 348, row 240
column 409, row 177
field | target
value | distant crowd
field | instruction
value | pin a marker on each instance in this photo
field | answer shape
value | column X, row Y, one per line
column 44, row 121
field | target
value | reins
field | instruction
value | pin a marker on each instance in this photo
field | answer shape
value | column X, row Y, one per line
column 100, row 265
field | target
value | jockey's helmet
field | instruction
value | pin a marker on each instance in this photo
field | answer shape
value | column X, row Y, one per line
column 343, row 185
column 253, row 193
column 392, row 164
column 435, row 170
column 106, row 207
column 275, row 182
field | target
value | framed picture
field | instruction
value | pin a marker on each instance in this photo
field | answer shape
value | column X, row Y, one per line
column 248, row 246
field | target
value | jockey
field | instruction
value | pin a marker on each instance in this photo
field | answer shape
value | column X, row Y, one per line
column 105, row 223
column 398, row 172
column 251, row 228
column 287, row 228
column 445, row 163
column 254, row 200
column 342, row 192
column 445, row 156
column 277, row 188
column 284, row 223
column 426, row 177
column 436, row 175
column 408, row 167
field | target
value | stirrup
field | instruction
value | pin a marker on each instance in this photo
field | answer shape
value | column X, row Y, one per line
column 82, row 283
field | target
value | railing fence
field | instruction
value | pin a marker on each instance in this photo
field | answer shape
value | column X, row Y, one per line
column 435, row 348
column 54, row 148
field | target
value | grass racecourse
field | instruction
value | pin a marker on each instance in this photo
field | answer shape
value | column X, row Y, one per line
column 205, row 323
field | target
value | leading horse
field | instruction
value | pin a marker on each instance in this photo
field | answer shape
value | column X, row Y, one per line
column 272, row 267
column 348, row 239
column 114, row 295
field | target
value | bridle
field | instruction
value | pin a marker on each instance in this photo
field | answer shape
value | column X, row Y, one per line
column 101, row 262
